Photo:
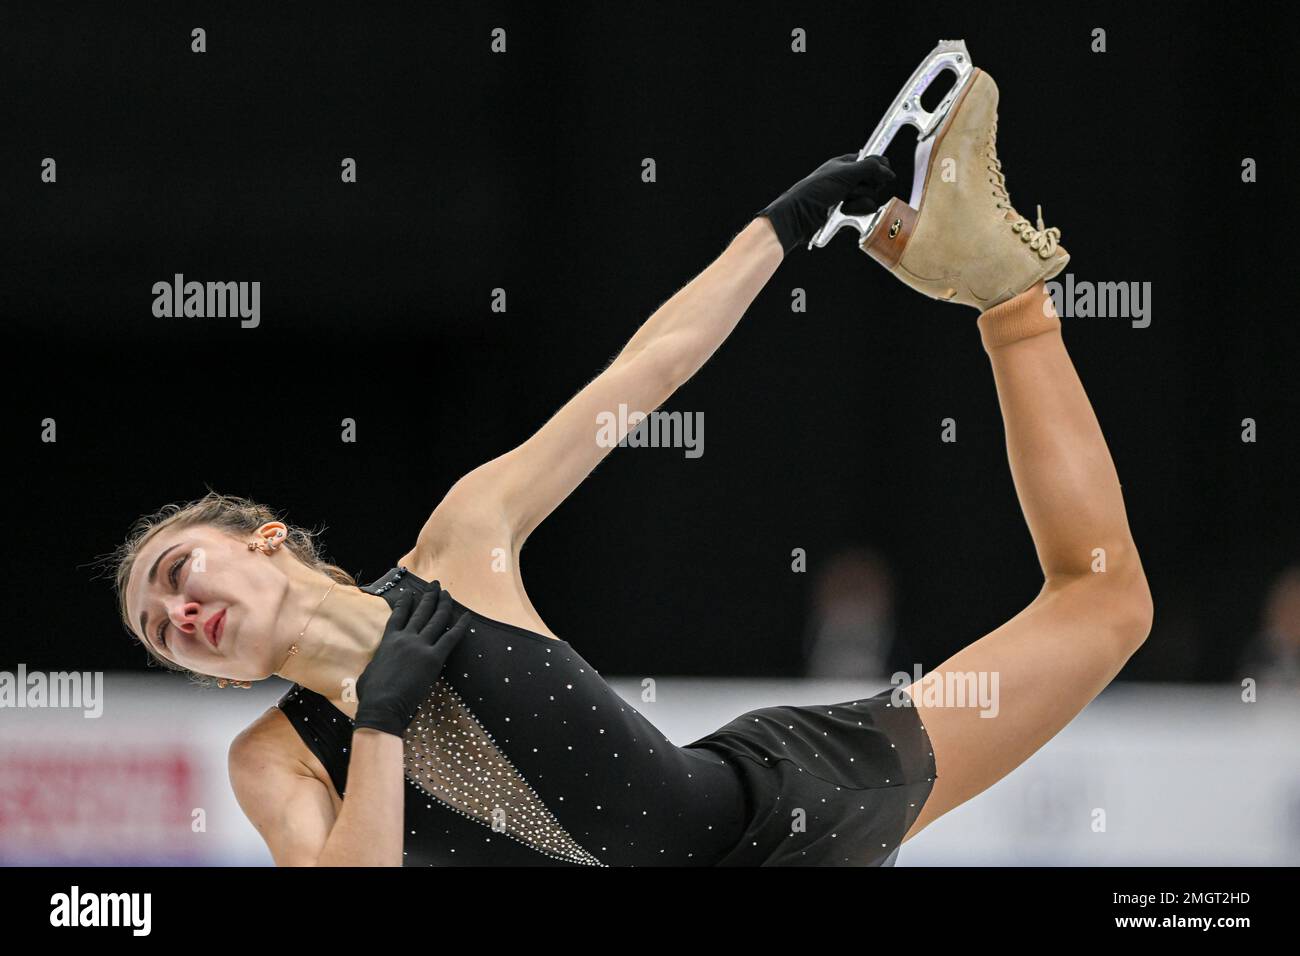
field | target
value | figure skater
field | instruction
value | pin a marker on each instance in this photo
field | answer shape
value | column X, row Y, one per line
column 427, row 729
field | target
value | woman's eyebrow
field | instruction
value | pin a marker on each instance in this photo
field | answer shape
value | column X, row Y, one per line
column 153, row 573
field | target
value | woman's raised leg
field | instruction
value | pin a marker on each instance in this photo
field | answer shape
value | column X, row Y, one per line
column 1057, row 654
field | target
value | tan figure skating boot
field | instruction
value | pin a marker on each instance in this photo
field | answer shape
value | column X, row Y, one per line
column 965, row 242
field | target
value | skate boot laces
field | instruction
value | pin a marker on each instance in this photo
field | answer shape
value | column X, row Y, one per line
column 1041, row 239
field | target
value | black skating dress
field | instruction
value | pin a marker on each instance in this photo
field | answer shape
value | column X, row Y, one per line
column 522, row 755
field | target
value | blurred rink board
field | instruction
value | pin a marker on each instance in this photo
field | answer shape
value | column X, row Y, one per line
column 1149, row 774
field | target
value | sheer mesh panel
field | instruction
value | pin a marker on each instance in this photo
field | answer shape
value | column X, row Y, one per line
column 450, row 756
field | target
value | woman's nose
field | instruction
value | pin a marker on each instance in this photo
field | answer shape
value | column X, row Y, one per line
column 185, row 615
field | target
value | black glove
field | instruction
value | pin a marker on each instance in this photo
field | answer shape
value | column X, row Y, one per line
column 862, row 185
column 410, row 657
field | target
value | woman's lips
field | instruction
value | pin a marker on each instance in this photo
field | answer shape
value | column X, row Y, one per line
column 215, row 627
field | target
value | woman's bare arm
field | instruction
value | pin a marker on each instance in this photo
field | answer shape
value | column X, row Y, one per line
column 515, row 492
column 294, row 812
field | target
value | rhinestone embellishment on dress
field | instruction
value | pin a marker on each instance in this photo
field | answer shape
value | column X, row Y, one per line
column 394, row 576
column 450, row 756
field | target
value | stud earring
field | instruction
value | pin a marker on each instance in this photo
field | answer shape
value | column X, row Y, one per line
column 266, row 546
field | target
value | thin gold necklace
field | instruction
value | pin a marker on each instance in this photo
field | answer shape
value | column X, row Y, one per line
column 293, row 648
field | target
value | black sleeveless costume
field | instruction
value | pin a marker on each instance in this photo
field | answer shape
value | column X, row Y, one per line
column 522, row 755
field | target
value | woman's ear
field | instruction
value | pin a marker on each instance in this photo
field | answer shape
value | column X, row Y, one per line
column 269, row 536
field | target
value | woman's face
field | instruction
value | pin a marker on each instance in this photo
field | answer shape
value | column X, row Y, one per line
column 201, row 599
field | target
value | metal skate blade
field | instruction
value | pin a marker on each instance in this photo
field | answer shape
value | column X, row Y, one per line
column 906, row 110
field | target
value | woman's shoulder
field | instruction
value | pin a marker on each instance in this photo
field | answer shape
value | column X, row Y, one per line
column 271, row 741
column 271, row 746
column 269, row 736
column 492, row 588
column 469, row 514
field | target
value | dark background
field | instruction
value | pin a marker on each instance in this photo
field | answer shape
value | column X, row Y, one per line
column 522, row 171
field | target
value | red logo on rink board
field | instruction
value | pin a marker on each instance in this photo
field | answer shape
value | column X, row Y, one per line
column 64, row 804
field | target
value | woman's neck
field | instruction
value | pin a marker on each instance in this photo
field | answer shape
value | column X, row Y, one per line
column 338, row 643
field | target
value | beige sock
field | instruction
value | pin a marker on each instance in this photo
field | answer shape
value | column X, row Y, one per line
column 1030, row 313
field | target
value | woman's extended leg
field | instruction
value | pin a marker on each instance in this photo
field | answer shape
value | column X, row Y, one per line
column 1057, row 654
